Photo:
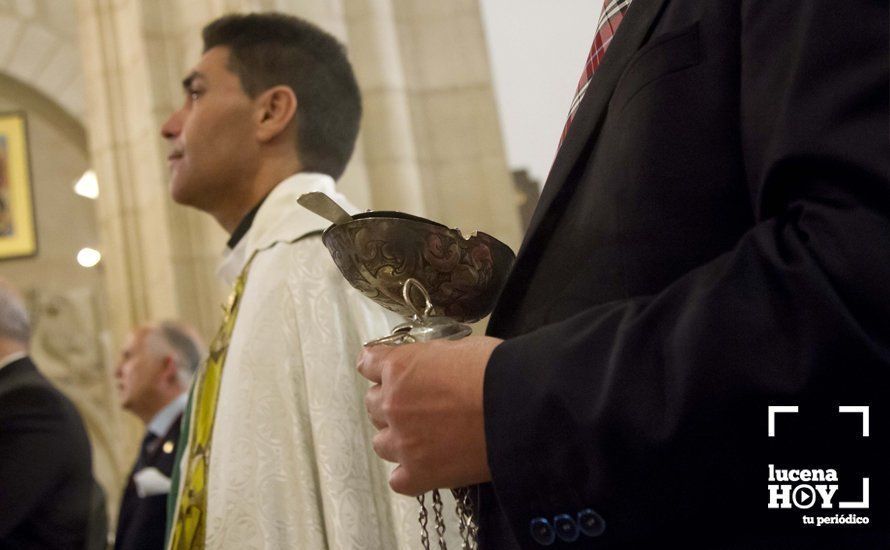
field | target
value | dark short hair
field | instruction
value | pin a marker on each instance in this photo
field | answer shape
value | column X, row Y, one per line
column 271, row 49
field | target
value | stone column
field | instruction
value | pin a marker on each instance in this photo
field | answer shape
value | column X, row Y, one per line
column 388, row 138
column 132, row 207
column 432, row 137
column 466, row 180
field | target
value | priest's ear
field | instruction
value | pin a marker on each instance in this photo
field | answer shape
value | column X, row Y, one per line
column 275, row 110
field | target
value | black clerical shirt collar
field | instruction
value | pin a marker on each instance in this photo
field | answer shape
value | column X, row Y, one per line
column 244, row 225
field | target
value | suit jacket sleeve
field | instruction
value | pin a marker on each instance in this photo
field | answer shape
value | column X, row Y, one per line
column 33, row 428
column 632, row 402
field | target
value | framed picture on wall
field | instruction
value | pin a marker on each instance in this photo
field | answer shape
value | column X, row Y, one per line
column 18, row 236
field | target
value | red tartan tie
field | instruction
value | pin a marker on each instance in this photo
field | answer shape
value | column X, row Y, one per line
column 613, row 14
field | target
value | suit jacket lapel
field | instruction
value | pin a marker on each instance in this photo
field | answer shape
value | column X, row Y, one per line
column 172, row 435
column 630, row 37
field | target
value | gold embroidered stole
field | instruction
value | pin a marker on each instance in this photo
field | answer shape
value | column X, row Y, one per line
column 190, row 512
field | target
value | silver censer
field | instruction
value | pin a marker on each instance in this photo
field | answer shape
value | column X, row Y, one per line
column 435, row 277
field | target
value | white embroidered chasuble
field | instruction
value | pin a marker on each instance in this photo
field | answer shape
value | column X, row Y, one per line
column 291, row 463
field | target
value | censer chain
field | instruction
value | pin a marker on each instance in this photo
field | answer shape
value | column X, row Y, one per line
column 464, row 508
column 440, row 520
column 422, row 518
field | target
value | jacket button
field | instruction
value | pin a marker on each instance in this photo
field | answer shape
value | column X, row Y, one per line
column 542, row 532
column 590, row 523
column 566, row 528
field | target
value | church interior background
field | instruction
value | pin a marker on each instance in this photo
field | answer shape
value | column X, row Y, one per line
column 96, row 78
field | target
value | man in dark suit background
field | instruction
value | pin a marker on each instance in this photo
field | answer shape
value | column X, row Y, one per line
column 711, row 241
column 153, row 375
column 46, row 483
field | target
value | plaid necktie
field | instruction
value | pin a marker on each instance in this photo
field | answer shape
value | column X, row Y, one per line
column 610, row 18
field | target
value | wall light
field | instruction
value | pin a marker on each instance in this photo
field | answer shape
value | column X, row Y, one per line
column 88, row 257
column 87, row 186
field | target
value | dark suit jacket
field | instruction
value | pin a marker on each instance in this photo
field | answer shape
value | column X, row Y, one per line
column 713, row 238
column 142, row 521
column 46, row 483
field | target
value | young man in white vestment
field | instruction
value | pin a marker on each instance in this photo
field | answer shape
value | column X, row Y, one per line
column 278, row 447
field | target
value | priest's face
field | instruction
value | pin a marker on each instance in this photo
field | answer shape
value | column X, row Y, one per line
column 212, row 150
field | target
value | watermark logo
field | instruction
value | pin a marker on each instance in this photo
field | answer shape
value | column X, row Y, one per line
column 814, row 488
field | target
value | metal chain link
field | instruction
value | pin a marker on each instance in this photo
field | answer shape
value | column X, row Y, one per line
column 463, row 507
column 423, row 518
column 461, row 518
column 440, row 519
column 465, row 513
column 472, row 527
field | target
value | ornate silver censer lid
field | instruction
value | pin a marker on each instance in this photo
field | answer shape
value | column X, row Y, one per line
column 431, row 274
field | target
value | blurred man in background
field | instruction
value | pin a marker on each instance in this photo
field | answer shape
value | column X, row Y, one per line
column 46, row 484
column 153, row 375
